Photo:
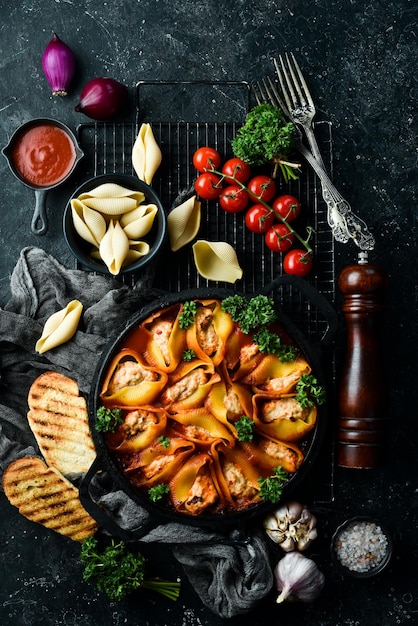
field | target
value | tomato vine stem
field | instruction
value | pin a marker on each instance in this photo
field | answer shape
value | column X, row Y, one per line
column 310, row 230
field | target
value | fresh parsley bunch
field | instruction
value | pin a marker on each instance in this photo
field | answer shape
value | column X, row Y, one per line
column 266, row 137
column 117, row 572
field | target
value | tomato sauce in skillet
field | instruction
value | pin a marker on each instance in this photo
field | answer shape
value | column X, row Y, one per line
column 44, row 155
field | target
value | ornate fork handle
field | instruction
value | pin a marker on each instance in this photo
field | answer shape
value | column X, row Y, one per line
column 343, row 222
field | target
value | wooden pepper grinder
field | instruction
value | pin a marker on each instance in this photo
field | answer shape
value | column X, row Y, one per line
column 362, row 397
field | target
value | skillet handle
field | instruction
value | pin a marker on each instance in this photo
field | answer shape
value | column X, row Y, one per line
column 314, row 297
column 39, row 225
column 99, row 513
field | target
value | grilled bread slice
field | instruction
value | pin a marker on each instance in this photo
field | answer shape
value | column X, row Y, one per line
column 44, row 496
column 59, row 420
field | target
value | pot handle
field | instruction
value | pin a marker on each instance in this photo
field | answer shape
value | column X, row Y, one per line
column 104, row 519
column 314, row 296
column 39, row 225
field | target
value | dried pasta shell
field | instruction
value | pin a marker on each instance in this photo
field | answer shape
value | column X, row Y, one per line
column 183, row 223
column 217, row 260
column 114, row 247
column 137, row 249
column 146, row 154
column 138, row 222
column 60, row 327
column 89, row 224
column 113, row 190
column 111, row 206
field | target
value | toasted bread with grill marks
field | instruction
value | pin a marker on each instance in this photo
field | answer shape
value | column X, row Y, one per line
column 44, row 496
column 59, row 420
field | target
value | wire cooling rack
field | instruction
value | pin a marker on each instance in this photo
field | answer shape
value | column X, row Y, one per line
column 187, row 115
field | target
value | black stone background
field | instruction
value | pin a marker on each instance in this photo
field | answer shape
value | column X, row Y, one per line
column 360, row 59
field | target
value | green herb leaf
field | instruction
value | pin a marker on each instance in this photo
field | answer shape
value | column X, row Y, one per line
column 189, row 354
column 186, row 317
column 309, row 391
column 250, row 314
column 158, row 492
column 265, row 137
column 270, row 343
column 271, row 488
column 244, row 427
column 107, row 420
column 164, row 441
column 118, row 572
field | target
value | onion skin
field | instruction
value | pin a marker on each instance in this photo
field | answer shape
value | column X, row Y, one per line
column 58, row 64
column 102, row 98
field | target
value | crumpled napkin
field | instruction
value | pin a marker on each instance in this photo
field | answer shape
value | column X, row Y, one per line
column 229, row 571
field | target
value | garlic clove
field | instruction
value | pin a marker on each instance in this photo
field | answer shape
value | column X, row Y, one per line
column 298, row 578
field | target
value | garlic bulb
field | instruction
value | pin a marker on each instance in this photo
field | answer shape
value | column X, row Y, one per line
column 292, row 526
column 298, row 578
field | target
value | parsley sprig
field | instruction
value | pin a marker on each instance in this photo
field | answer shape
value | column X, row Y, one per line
column 117, row 572
column 107, row 420
column 270, row 343
column 309, row 391
column 186, row 317
column 250, row 314
column 266, row 137
column 157, row 492
column 244, row 427
column 271, row 487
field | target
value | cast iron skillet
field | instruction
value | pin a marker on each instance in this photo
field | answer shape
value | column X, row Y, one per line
column 159, row 513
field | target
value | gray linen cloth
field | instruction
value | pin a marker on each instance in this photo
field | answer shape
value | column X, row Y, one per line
column 229, row 571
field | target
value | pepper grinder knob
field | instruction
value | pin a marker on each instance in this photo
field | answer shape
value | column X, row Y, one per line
column 362, row 397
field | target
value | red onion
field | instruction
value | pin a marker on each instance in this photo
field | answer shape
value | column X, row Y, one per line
column 102, row 98
column 58, row 63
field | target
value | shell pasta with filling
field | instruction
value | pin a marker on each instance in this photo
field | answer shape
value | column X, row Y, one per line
column 184, row 380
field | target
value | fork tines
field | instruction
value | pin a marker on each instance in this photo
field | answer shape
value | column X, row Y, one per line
column 295, row 82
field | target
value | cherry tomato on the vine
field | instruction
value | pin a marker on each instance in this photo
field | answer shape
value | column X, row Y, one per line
column 258, row 218
column 208, row 186
column 262, row 187
column 297, row 262
column 279, row 238
column 237, row 168
column 206, row 158
column 233, row 199
column 287, row 206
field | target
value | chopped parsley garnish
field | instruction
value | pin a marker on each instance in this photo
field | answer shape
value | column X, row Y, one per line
column 250, row 314
column 309, row 391
column 244, row 427
column 107, row 420
column 271, row 488
column 186, row 317
column 270, row 343
column 158, row 492
column 164, row 441
column 189, row 354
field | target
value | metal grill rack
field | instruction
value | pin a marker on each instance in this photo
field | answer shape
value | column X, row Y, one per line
column 108, row 149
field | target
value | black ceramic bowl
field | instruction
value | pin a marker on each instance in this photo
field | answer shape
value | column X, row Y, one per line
column 155, row 238
column 361, row 547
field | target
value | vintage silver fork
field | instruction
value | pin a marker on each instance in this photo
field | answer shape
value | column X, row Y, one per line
column 300, row 109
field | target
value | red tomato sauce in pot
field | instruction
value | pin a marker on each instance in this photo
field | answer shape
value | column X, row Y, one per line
column 44, row 155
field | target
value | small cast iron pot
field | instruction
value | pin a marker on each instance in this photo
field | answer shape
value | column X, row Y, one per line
column 159, row 513
column 39, row 224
